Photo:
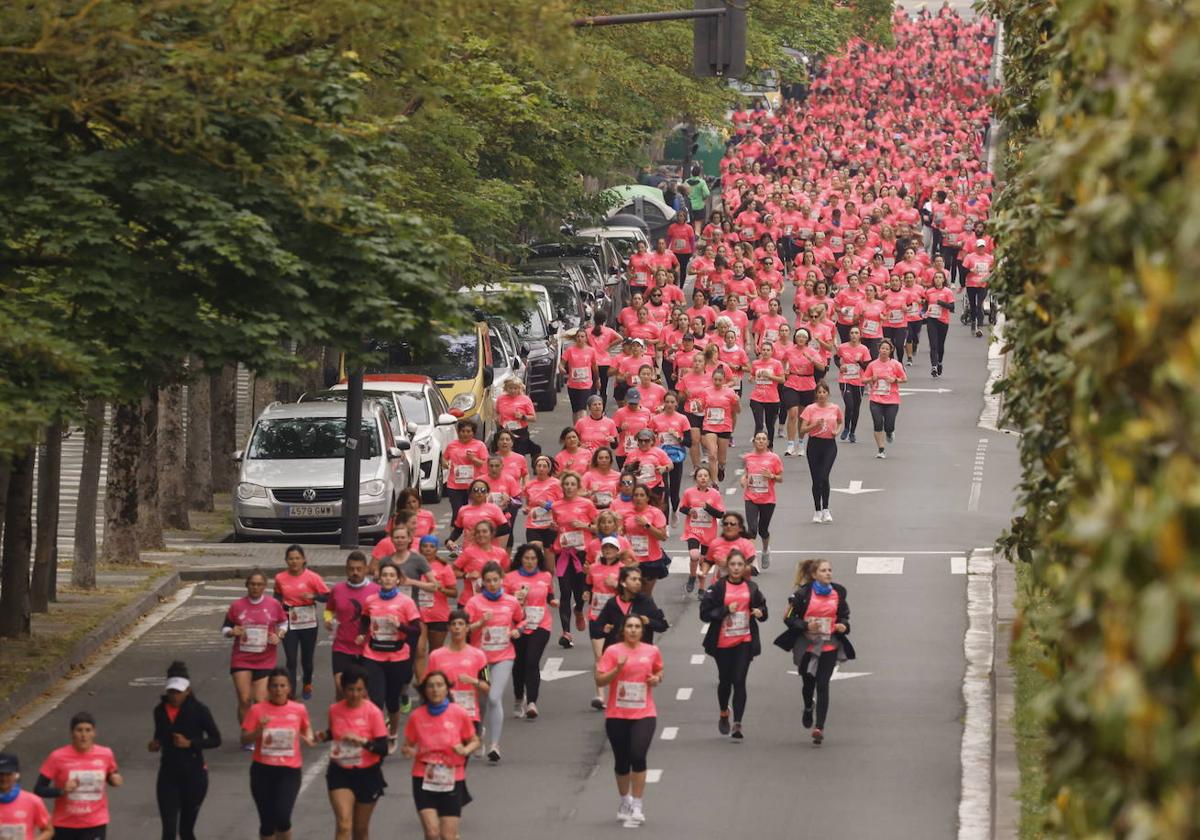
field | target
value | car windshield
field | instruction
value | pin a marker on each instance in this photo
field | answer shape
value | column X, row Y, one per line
column 445, row 358
column 382, row 397
column 415, row 407
column 530, row 325
column 564, row 304
column 306, row 438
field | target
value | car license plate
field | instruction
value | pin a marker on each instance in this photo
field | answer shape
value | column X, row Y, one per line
column 310, row 510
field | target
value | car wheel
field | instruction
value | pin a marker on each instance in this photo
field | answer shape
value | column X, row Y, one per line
column 547, row 400
column 430, row 497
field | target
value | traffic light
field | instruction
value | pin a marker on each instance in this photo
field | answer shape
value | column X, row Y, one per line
column 719, row 42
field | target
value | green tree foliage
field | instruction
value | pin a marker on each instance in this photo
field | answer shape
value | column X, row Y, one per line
column 1099, row 258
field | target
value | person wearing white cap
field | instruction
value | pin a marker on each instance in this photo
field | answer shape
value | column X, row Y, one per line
column 183, row 729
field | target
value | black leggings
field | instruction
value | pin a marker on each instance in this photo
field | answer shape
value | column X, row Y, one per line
column 602, row 385
column 630, row 741
column 764, row 418
column 733, row 664
column 852, row 398
column 937, row 340
column 96, row 832
column 896, row 335
column 953, row 267
column 527, row 670
column 975, row 298
column 386, row 682
column 523, row 444
column 822, row 452
column 674, row 480
column 570, row 584
column 306, row 642
column 914, row 335
column 825, row 665
column 758, row 519
column 873, row 346
column 181, row 792
column 274, row 790
column 458, row 498
column 884, row 416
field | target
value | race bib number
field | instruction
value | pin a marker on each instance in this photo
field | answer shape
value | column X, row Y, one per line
column 533, row 616
column 572, row 539
column 871, row 326
column 465, row 697
column 715, row 415
column 438, row 778
column 850, row 370
column 895, row 315
column 759, row 483
column 279, row 742
column 581, row 374
column 646, row 472
column 12, row 832
column 512, row 425
column 302, row 617
column 701, row 518
column 599, row 599
column 914, row 310
column 602, row 498
column 641, row 277
column 883, row 387
column 495, row 638
column 935, row 311
column 631, row 695
column 747, row 233
column 824, row 625
column 464, row 473
column 737, row 624
column 847, row 312
column 835, row 242
column 91, row 785
column 889, row 262
column 806, row 233
column 254, row 638
column 640, row 545
column 346, row 754
column 693, row 406
column 425, row 599
column 495, row 498
column 787, row 230
column 979, row 268
column 383, row 628
column 951, row 238
column 771, row 335
column 539, row 517
column 718, row 290
column 679, row 245
column 630, row 442
column 762, row 377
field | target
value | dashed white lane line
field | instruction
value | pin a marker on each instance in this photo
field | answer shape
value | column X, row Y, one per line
column 880, row 566
column 683, row 694
column 653, row 776
column 730, row 491
column 210, row 598
column 697, row 658
column 314, row 770
column 703, row 629
column 958, row 565
column 669, row 733
column 209, row 588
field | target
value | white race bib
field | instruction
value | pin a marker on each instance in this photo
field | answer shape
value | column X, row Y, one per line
column 824, row 625
column 631, row 695
column 762, row 376
column 438, row 778
column 646, row 472
column 279, row 741
column 602, row 498
column 835, row 242
column 512, row 425
column 640, row 545
column 91, row 785
column 630, row 443
column 701, row 518
column 345, row 754
column 850, row 370
column 718, row 290
column 12, row 832
column 581, row 374
column 895, row 315
column 737, row 624
column 678, row 244
column 889, row 262
column 571, row 539
column 464, row 473
column 771, row 335
column 495, row 498
column 935, row 311
column 465, row 698
column 758, row 483
column 871, row 326
column 533, row 617
column 302, row 617
column 425, row 599
column 715, row 414
column 384, row 628
column 883, row 387
column 495, row 637
column 599, row 599
column 254, row 638
column 539, row 517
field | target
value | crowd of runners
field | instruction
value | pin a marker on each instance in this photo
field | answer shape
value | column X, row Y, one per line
column 864, row 205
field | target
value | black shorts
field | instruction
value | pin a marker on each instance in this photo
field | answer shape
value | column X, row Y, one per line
column 654, row 569
column 692, row 543
column 504, row 530
column 96, row 832
column 791, row 398
column 448, row 804
column 366, row 782
column 694, row 420
column 342, row 661
column 579, row 397
column 258, row 673
column 545, row 536
column 722, row 435
column 437, row 626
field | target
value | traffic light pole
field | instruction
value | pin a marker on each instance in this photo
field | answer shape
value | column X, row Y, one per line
column 647, row 17
column 718, row 37
column 352, row 466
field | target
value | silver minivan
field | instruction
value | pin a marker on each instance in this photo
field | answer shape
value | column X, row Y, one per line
column 290, row 474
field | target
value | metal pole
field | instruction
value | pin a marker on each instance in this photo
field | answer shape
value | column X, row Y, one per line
column 647, row 17
column 352, row 466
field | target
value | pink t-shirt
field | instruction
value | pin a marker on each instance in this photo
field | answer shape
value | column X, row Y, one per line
column 720, row 549
column 24, row 817
column 766, row 390
column 87, row 805
column 937, row 300
column 388, row 616
column 435, row 606
column 760, row 489
column 649, row 463
column 595, row 433
column 823, row 606
column 700, row 524
column 853, row 360
column 579, row 361
column 471, row 562
column 669, row 429
column 462, row 471
column 603, row 581
column 801, row 366
column 882, row 391
column 536, row 606
column 500, row 486
column 537, row 493
column 629, row 423
column 515, row 466
column 694, row 385
column 630, row 696
column 279, row 744
column 735, row 627
column 346, row 604
column 602, row 486
column 719, row 407
column 493, row 637
column 645, row 546
column 470, row 661
column 470, row 515
column 436, row 737
column 507, row 409
column 566, row 512
column 298, row 593
column 576, row 461
column 364, row 722
column 827, row 418
column 253, row 651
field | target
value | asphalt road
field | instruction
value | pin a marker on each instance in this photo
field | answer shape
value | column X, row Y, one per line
column 889, row 767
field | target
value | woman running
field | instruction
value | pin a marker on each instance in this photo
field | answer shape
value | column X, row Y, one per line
column 691, row 388
column 541, row 492
column 870, row 315
column 646, row 528
column 601, row 338
column 438, row 738
column 940, row 303
column 702, row 507
column 733, row 537
column 629, row 600
column 183, row 729
column 504, row 492
column 77, row 777
column 463, row 459
column 388, row 632
column 515, row 465
column 822, row 422
column 580, row 366
column 631, row 670
column 763, row 470
column 475, row 555
column 477, row 510
column 22, row 814
column 574, row 516
column 434, row 604
column 354, row 778
column 299, row 589
column 673, row 434
column 276, row 727
column 804, row 365
column 766, row 373
column 464, row 665
column 895, row 323
column 514, row 413
column 853, row 357
column 721, row 405
column 600, row 482
column 256, row 624
column 496, row 619
column 594, row 428
column 818, row 622
column 882, row 380
column 533, row 587
column 573, row 457
column 602, row 578
column 732, row 609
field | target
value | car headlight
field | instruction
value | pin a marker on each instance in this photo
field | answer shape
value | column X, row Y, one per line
column 463, row 402
column 424, row 445
column 246, row 490
column 375, row 487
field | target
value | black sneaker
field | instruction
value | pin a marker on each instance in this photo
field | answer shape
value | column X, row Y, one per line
column 845, row 434
column 807, row 720
column 720, row 474
column 933, row 371
column 564, row 641
column 939, row 368
column 737, row 732
column 494, row 755
column 853, row 439
column 891, row 437
column 691, row 584
column 723, row 724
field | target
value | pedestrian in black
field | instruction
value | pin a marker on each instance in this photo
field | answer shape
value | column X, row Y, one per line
column 629, row 600
column 732, row 608
column 818, row 622
column 183, row 729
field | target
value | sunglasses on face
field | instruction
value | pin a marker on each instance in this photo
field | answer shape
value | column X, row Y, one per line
column 730, row 524
column 478, row 489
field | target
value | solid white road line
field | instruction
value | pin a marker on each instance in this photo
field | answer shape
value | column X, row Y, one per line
column 697, row 658
column 653, row 776
column 669, row 733
column 880, row 565
column 975, row 804
column 683, row 694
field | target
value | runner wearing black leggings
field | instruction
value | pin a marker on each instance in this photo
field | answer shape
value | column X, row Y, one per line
column 732, row 608
column 673, row 434
column 940, row 302
column 821, row 421
column 853, row 357
column 882, row 380
column 276, row 727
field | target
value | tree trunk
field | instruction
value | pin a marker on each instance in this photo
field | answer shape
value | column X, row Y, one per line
column 121, row 489
column 172, row 460
column 16, row 614
column 262, row 394
column 199, row 443
column 83, row 569
column 224, row 429
column 46, row 547
column 150, row 524
column 5, row 474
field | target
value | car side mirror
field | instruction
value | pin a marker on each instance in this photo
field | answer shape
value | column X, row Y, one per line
column 237, row 456
column 399, row 449
column 489, row 376
column 412, row 427
column 524, row 352
column 446, row 420
column 556, row 324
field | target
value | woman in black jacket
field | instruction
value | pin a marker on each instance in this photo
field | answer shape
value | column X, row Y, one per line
column 732, row 608
column 183, row 729
column 629, row 600
column 818, row 622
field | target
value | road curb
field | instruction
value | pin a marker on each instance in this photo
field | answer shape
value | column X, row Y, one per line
column 977, row 753
column 110, row 628
column 238, row 571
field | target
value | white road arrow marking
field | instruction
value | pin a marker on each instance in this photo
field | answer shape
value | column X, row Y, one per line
column 904, row 391
column 856, row 488
column 551, row 671
column 841, row 675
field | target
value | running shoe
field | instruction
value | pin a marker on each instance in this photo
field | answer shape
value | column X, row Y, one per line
column 817, row 517
column 720, row 473
column 845, row 434
column 979, row 333
column 636, row 815
column 826, row 516
column 405, row 704
column 908, row 363
column 807, row 719
column 580, row 622
column 519, row 709
column 307, row 692
column 766, row 560
column 723, row 724
column 564, row 641
column 690, row 586
column 598, row 704
column 880, row 455
column 933, row 372
column 818, row 736
column 393, row 744
column 939, row 368
column 737, row 732
column 791, row 448
column 624, row 810
column 853, row 439
column 493, row 754
column 801, row 447
column 531, row 711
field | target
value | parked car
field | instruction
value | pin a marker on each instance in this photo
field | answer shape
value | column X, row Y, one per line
column 539, row 343
column 646, row 203
column 402, row 428
column 570, row 272
column 290, row 472
column 506, row 355
column 566, row 303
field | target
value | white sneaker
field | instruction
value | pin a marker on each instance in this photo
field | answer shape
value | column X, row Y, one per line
column 800, row 449
column 791, row 448
column 519, row 709
column 624, row 810
column 826, row 516
column 880, row 455
column 817, row 517
column 636, row 815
